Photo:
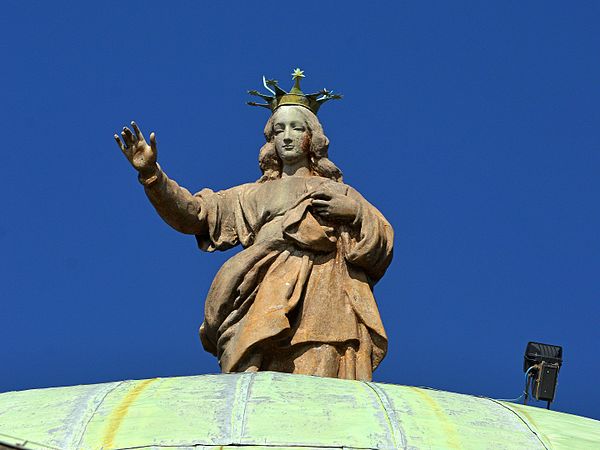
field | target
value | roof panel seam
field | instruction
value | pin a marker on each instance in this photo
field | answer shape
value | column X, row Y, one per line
column 531, row 428
column 238, row 434
column 83, row 431
column 395, row 430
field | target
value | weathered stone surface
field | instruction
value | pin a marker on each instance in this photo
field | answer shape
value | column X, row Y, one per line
column 299, row 298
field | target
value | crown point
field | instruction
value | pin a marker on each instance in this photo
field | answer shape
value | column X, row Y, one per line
column 297, row 73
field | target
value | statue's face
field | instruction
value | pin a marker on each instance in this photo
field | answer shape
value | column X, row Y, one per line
column 291, row 135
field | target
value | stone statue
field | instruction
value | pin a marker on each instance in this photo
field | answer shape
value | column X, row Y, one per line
column 299, row 297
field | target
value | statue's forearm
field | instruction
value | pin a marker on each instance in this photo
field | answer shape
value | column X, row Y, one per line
column 175, row 204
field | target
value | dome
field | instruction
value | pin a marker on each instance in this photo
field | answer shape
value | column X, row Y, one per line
column 269, row 410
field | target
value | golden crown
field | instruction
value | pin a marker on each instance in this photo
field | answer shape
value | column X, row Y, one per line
column 280, row 97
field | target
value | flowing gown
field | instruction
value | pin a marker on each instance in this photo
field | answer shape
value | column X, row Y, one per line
column 301, row 280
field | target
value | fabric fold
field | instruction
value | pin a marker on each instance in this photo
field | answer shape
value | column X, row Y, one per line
column 300, row 280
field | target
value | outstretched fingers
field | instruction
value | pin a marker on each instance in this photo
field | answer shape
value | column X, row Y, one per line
column 123, row 146
column 153, row 142
column 133, row 145
column 128, row 137
column 137, row 131
column 120, row 144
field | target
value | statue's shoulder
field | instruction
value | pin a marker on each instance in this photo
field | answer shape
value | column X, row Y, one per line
column 336, row 186
column 316, row 180
column 232, row 191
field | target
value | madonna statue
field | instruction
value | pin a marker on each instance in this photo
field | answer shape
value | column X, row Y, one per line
column 299, row 297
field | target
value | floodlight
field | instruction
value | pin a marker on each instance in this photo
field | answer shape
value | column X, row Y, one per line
column 541, row 366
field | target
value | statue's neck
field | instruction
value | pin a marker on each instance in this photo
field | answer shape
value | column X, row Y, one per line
column 297, row 170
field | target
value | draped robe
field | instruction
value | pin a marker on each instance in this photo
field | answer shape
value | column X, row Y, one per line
column 300, row 281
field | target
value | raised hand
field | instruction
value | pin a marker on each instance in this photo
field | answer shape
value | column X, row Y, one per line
column 137, row 151
column 333, row 205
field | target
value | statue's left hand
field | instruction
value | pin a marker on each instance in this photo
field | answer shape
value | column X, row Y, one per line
column 334, row 205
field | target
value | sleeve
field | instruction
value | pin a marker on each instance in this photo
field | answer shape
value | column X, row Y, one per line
column 227, row 217
column 372, row 248
column 173, row 203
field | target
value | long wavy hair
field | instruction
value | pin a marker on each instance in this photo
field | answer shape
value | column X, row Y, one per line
column 317, row 148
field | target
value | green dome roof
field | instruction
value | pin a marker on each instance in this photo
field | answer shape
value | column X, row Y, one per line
column 269, row 410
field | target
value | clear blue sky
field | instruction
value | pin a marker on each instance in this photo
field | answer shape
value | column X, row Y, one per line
column 473, row 126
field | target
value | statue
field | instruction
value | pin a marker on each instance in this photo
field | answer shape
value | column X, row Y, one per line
column 299, row 297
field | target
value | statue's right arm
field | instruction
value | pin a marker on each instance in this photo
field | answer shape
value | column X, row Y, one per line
column 175, row 204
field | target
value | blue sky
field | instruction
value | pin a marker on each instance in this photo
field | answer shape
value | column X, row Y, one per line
column 473, row 126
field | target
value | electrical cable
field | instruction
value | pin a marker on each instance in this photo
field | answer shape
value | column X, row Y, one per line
column 524, row 394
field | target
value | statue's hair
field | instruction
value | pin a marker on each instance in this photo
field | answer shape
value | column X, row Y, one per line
column 317, row 148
